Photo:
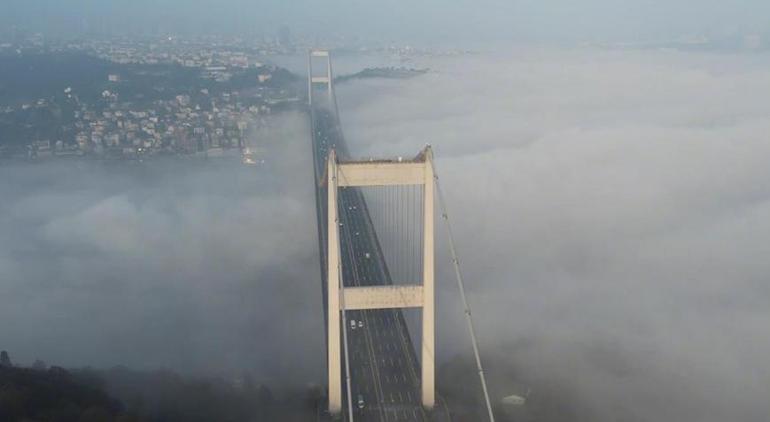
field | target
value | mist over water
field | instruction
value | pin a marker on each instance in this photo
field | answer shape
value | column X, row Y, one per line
column 611, row 211
column 200, row 266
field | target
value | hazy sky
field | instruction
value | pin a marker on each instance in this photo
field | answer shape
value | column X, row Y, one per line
column 423, row 21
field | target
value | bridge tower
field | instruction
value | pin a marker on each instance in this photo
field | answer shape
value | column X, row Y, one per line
column 416, row 172
column 313, row 80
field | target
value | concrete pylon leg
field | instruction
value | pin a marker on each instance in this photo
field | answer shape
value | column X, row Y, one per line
column 428, row 307
column 333, row 293
column 310, row 78
column 329, row 75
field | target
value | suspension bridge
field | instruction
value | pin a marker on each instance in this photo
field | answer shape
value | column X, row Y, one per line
column 376, row 242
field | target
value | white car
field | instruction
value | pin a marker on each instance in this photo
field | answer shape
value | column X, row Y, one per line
column 352, row 324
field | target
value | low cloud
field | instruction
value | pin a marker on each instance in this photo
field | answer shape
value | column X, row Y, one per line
column 612, row 211
column 197, row 266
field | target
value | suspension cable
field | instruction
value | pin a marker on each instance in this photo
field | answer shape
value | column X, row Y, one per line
column 344, row 325
column 461, row 286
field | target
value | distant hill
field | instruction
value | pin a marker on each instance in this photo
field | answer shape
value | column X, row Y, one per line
column 26, row 78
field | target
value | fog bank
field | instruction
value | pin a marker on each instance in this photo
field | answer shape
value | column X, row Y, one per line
column 192, row 265
column 612, row 211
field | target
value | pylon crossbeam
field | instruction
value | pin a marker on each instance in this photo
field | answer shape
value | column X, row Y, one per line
column 320, row 80
column 381, row 174
column 383, row 297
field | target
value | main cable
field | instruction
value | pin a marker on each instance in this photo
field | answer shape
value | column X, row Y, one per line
column 461, row 286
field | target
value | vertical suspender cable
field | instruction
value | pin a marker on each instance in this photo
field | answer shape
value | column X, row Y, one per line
column 393, row 245
column 401, row 232
column 461, row 286
column 409, row 230
column 345, row 330
column 388, row 227
column 422, row 227
column 410, row 235
column 396, row 228
column 347, row 354
column 413, row 277
column 399, row 254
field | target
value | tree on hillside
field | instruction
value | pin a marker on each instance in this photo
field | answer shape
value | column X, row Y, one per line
column 5, row 360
